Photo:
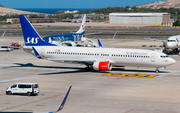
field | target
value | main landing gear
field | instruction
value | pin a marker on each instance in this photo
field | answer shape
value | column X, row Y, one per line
column 87, row 68
column 176, row 51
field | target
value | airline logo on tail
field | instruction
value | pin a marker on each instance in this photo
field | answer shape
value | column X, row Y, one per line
column 83, row 27
column 31, row 40
column 31, row 37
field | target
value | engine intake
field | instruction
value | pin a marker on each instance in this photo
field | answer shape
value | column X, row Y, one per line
column 102, row 66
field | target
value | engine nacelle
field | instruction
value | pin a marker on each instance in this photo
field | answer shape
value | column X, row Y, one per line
column 102, row 66
column 70, row 43
column 90, row 42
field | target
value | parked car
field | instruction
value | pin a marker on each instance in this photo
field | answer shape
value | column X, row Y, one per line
column 5, row 48
column 23, row 88
column 15, row 45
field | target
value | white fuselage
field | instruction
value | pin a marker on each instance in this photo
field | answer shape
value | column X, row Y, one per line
column 173, row 42
column 116, row 56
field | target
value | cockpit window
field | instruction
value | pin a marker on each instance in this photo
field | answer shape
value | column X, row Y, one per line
column 171, row 40
column 165, row 56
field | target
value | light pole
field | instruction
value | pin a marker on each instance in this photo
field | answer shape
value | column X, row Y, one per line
column 176, row 16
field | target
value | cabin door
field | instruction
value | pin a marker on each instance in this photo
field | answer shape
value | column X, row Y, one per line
column 42, row 52
column 153, row 57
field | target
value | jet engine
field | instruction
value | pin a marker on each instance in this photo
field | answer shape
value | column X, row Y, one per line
column 102, row 66
column 70, row 43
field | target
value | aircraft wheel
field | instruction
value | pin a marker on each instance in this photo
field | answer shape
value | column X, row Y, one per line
column 87, row 68
column 157, row 70
column 28, row 94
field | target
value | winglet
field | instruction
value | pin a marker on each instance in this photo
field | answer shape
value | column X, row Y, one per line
column 36, row 53
column 31, row 36
column 82, row 27
column 64, row 101
column 100, row 44
column 3, row 33
column 114, row 36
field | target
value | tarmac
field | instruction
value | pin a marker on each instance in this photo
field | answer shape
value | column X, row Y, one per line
column 91, row 92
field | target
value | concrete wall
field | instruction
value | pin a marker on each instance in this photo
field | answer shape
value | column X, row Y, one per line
column 136, row 19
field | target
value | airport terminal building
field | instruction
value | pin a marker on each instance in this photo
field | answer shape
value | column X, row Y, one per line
column 139, row 18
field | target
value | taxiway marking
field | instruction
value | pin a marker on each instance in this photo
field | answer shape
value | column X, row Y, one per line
column 17, row 79
column 130, row 75
column 29, row 103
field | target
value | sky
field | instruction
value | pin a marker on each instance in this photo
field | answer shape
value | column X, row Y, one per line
column 72, row 3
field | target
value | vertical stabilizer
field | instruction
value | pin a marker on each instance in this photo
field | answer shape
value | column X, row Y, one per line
column 31, row 37
column 82, row 27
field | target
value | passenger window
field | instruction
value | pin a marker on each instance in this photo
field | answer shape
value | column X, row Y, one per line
column 24, row 86
column 14, row 86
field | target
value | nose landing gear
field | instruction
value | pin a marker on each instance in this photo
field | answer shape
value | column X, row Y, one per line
column 157, row 70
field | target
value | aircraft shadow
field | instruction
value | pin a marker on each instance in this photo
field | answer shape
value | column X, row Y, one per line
column 138, row 70
column 81, row 69
column 32, row 65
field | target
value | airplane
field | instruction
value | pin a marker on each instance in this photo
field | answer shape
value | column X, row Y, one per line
column 100, row 59
column 172, row 43
column 63, row 102
column 71, row 39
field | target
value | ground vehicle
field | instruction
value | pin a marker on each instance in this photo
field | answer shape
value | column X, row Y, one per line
column 5, row 48
column 23, row 88
column 15, row 45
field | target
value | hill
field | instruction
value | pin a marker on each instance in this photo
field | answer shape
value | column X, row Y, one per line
column 9, row 11
column 161, row 4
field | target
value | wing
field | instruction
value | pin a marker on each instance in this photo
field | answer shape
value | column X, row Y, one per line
column 90, row 62
column 92, row 33
column 154, row 39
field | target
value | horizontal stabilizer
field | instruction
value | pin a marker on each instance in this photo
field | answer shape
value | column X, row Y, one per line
column 64, row 101
column 36, row 53
column 154, row 39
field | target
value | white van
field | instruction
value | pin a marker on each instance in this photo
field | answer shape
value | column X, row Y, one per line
column 23, row 88
column 5, row 48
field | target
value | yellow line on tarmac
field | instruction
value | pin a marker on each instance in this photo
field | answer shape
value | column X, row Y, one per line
column 131, row 75
column 119, row 78
column 29, row 103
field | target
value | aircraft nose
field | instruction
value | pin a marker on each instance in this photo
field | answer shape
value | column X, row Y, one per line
column 172, row 61
column 171, row 45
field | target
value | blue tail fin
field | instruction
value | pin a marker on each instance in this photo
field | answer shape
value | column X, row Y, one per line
column 31, row 37
column 64, row 101
column 100, row 45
